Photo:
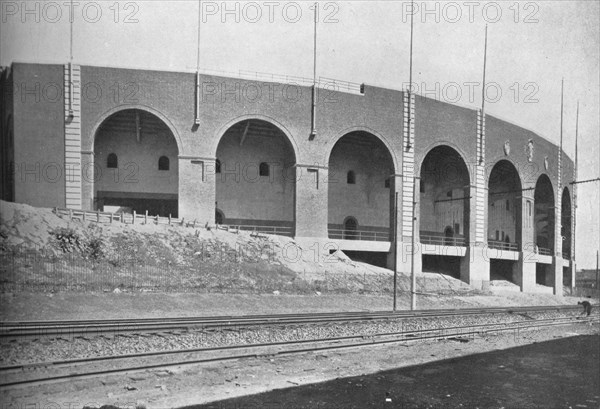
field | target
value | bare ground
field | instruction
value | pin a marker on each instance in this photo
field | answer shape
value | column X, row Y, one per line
column 493, row 372
column 69, row 305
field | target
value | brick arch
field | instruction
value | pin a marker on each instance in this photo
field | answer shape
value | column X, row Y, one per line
column 490, row 168
column 507, row 186
column 225, row 127
column 420, row 157
column 490, row 164
column 150, row 110
column 333, row 141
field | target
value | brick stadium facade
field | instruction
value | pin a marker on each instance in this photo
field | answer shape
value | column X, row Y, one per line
column 492, row 199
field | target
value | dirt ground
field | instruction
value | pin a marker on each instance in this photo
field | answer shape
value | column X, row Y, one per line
column 57, row 306
column 562, row 373
column 497, row 371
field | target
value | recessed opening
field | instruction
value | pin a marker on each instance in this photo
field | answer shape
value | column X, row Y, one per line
column 447, row 265
column 351, row 177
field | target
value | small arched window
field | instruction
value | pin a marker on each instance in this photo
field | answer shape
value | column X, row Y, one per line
column 218, row 166
column 350, row 227
column 507, row 205
column 351, row 177
column 112, row 161
column 163, row 163
column 219, row 217
column 386, row 183
column 263, row 169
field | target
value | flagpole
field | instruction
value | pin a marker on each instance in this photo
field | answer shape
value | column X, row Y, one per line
column 197, row 110
column 413, row 277
column 562, row 94
column 410, row 68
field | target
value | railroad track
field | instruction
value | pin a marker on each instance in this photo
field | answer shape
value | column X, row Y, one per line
column 54, row 329
column 75, row 369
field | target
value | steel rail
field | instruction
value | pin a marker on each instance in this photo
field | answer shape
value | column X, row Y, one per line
column 152, row 326
column 372, row 339
column 18, row 328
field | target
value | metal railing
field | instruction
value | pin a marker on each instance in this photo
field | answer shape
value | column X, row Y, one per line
column 442, row 240
column 501, row 245
column 566, row 255
column 330, row 84
column 126, row 218
column 277, row 230
column 544, row 251
column 39, row 270
column 339, row 85
column 363, row 235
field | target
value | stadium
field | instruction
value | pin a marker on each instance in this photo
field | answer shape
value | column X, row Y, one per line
column 395, row 179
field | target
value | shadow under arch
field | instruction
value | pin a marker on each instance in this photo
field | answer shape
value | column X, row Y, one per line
column 249, row 117
column 333, row 141
column 544, row 214
column 148, row 109
column 359, row 168
column 505, row 190
column 136, row 165
column 444, row 195
column 421, row 155
column 256, row 181
column 566, row 210
column 7, row 158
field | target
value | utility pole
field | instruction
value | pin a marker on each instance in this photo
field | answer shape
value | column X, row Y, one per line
column 574, row 232
column 413, row 277
column 575, row 183
column 395, row 250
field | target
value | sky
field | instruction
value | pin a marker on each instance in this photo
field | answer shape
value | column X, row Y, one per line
column 532, row 46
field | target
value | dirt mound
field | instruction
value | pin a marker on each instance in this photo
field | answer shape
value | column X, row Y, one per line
column 50, row 250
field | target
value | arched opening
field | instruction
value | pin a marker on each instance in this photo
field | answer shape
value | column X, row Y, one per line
column 219, row 216
column 359, row 164
column 565, row 217
column 449, row 236
column 112, row 161
column 163, row 163
column 544, row 216
column 263, row 169
column 544, row 227
column 255, row 182
column 444, row 196
column 350, row 228
column 127, row 146
column 565, row 213
column 351, row 177
column 504, row 206
column 7, row 162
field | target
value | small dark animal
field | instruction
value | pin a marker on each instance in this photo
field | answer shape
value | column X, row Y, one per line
column 587, row 307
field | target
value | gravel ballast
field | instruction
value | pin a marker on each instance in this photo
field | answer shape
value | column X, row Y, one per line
column 48, row 350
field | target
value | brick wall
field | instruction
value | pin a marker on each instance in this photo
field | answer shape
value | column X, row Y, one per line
column 39, row 148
